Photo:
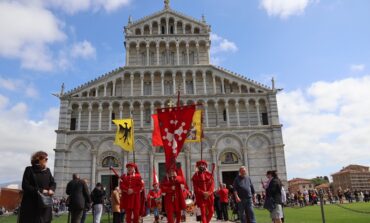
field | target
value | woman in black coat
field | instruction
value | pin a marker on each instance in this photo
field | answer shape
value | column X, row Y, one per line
column 30, row 212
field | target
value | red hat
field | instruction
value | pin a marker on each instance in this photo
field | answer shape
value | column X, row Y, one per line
column 202, row 162
column 134, row 166
column 131, row 165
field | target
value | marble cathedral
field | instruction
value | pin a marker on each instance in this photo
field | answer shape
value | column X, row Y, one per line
column 166, row 52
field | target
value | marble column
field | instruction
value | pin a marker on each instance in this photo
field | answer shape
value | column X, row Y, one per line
column 222, row 86
column 204, row 82
column 152, row 84
column 206, row 113
column 216, row 108
column 152, row 112
column 214, row 160
column 114, row 88
column 105, row 90
column 194, row 83
column 141, row 115
column 162, row 82
column 184, row 81
column 79, row 117
column 132, row 84
column 167, row 54
column 258, row 113
column 100, row 109
column 174, row 82
column 237, row 113
column 147, row 54
column 127, row 54
column 151, row 164
column 97, row 92
column 89, row 120
column 177, row 54
column 187, row 54
column 157, row 52
column 227, row 114
column 137, row 55
column 247, row 108
column 110, row 117
column 93, row 167
column 214, row 84
column 142, row 84
column 197, row 46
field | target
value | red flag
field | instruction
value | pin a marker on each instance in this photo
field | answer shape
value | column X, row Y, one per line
column 181, row 174
column 174, row 125
column 156, row 134
column 155, row 177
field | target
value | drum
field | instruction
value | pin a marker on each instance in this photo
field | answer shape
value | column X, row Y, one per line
column 189, row 206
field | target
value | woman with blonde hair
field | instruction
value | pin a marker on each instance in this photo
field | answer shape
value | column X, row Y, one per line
column 36, row 178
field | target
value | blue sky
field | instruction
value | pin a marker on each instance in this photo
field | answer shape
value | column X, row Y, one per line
column 318, row 51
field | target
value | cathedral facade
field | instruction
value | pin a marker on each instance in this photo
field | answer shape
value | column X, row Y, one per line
column 168, row 52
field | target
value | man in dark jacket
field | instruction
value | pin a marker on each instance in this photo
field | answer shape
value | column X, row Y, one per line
column 78, row 197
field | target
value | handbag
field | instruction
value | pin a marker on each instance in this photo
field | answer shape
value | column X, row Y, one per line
column 44, row 201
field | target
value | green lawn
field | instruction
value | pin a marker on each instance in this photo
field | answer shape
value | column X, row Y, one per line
column 311, row 214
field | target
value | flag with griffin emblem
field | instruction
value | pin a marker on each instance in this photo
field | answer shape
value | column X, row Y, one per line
column 125, row 134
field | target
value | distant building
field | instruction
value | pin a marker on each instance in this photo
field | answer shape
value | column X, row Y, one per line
column 300, row 184
column 10, row 198
column 353, row 177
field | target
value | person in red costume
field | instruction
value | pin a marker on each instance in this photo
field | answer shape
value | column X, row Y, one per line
column 204, row 185
column 174, row 200
column 131, row 186
column 154, row 201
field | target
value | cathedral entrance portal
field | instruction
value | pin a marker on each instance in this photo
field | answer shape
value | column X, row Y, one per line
column 109, row 182
column 228, row 177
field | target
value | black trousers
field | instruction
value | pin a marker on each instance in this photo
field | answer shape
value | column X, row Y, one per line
column 76, row 216
column 116, row 217
column 225, row 215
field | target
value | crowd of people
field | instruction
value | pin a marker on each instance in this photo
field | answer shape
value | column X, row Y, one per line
column 169, row 198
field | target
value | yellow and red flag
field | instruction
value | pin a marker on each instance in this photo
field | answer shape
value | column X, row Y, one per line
column 195, row 131
column 125, row 134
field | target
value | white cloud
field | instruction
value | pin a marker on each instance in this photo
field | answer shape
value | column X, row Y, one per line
column 19, row 86
column 21, row 136
column 326, row 126
column 222, row 45
column 219, row 47
column 285, row 8
column 29, row 31
column 83, row 50
column 357, row 67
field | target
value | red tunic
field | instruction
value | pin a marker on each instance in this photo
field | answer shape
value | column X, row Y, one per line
column 173, row 199
column 134, row 182
column 153, row 197
column 224, row 195
column 203, row 182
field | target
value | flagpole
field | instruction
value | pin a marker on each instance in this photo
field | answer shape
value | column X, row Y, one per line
column 201, row 134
